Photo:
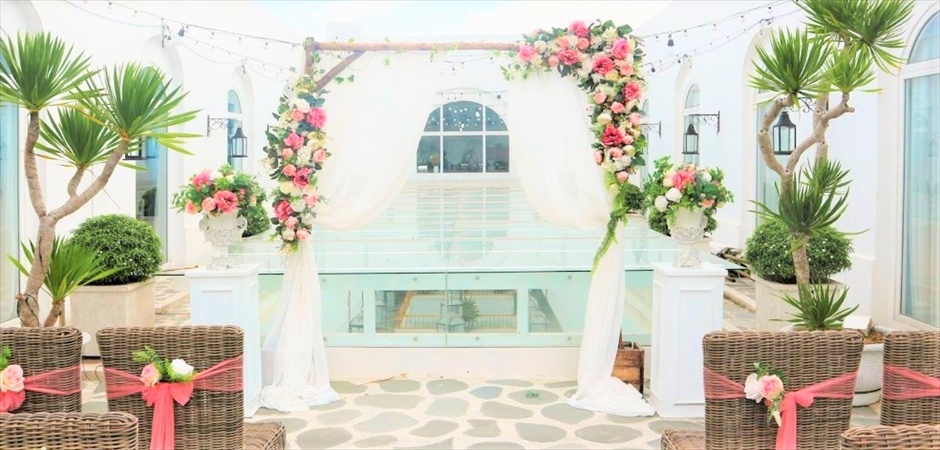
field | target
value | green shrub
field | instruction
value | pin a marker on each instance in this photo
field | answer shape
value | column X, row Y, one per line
column 769, row 255
column 257, row 217
column 123, row 243
column 634, row 198
column 657, row 222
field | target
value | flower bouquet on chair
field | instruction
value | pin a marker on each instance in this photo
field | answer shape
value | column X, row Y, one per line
column 688, row 195
column 14, row 384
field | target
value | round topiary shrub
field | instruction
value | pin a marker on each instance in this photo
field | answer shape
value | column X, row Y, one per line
column 633, row 198
column 657, row 222
column 123, row 242
column 768, row 253
column 257, row 217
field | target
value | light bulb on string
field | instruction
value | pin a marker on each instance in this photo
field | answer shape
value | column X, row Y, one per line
column 670, row 43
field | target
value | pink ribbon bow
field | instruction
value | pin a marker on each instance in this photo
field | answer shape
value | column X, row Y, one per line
column 65, row 381
column 225, row 376
column 901, row 383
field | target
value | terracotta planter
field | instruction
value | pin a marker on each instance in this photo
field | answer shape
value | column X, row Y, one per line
column 126, row 305
column 772, row 311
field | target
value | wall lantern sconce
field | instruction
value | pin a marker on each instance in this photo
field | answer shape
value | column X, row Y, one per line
column 784, row 132
column 649, row 127
column 215, row 123
column 238, row 147
column 690, row 143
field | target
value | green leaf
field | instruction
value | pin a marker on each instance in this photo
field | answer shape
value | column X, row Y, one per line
column 70, row 266
column 75, row 140
column 39, row 71
column 792, row 67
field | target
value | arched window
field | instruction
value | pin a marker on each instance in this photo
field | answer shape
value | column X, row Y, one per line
column 9, row 202
column 464, row 137
column 920, row 230
column 235, row 112
column 690, row 152
column 152, row 186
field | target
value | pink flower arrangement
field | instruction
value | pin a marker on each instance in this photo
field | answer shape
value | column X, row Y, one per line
column 766, row 386
column 579, row 28
column 201, row 179
column 569, row 57
column 225, row 201
column 217, row 192
column 317, row 117
column 602, row 65
column 527, row 52
column 620, row 49
column 612, row 136
column 294, row 140
column 632, row 91
column 150, row 376
column 11, row 378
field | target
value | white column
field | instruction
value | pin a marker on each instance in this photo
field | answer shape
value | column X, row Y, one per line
column 687, row 305
column 230, row 297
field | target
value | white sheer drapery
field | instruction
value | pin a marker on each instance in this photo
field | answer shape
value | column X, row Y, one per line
column 374, row 125
column 558, row 174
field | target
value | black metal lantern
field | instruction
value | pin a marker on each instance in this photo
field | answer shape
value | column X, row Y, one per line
column 784, row 135
column 138, row 151
column 238, row 144
column 690, row 146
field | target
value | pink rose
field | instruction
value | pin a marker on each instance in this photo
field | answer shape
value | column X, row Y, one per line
column 527, row 52
column 634, row 118
column 319, row 155
column 302, row 234
column 288, row 153
column 291, row 223
column 616, row 152
column 598, row 157
column 296, row 115
column 289, row 170
column 311, row 200
column 201, row 179
column 632, row 91
column 579, row 29
column 11, row 379
column 770, row 386
column 620, row 49
column 562, row 42
column 190, row 207
column 302, row 177
column 617, row 108
column 294, row 140
column 682, row 178
column 150, row 376
column 599, row 97
column 708, row 203
column 626, row 70
column 627, row 139
column 553, row 61
column 283, row 210
column 622, row 176
column 317, row 117
column 226, row 201
column 583, row 43
column 569, row 57
column 208, row 204
column 603, row 64
column 612, row 136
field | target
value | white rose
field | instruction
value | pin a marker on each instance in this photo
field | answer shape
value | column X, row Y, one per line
column 180, row 368
column 596, row 78
column 295, row 190
column 752, row 388
column 287, row 234
column 626, row 160
column 267, row 163
column 286, row 186
column 283, row 122
column 309, row 189
column 216, row 175
column 706, row 177
column 660, row 203
column 610, row 33
column 572, row 40
column 629, row 149
column 673, row 195
column 667, row 178
column 303, row 156
column 540, row 46
column 302, row 105
column 298, row 205
column 604, row 118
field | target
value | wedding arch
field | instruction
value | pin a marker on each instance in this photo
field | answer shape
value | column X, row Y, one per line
column 358, row 157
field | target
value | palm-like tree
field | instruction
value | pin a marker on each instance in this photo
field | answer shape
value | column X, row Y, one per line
column 843, row 43
column 80, row 117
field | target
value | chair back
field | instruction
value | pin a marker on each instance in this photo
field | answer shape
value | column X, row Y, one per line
column 901, row 437
column 210, row 420
column 68, row 431
column 918, row 351
column 41, row 350
column 805, row 358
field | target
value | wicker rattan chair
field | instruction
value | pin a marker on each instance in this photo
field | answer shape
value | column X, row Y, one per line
column 68, row 431
column 40, row 350
column 901, row 437
column 805, row 357
column 211, row 420
column 919, row 351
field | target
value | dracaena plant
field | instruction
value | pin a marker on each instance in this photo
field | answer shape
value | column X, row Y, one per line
column 836, row 53
column 83, row 118
column 819, row 307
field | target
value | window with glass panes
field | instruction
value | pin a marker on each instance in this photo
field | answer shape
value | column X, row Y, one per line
column 463, row 137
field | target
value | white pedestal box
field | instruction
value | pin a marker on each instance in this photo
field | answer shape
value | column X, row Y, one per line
column 230, row 297
column 687, row 305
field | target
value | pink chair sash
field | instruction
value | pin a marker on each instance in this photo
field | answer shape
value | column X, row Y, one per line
column 720, row 387
column 225, row 376
column 65, row 381
column 901, row 383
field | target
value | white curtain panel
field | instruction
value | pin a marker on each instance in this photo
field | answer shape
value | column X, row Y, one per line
column 374, row 124
column 549, row 131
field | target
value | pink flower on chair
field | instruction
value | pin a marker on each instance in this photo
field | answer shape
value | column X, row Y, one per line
column 150, row 376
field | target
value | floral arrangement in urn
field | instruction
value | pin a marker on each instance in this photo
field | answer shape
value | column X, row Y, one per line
column 607, row 64
column 11, row 375
column 296, row 152
column 669, row 189
column 765, row 386
column 157, row 369
column 217, row 192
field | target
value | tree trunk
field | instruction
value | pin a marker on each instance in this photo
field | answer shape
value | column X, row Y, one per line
column 28, row 301
column 801, row 261
column 58, row 307
column 29, row 315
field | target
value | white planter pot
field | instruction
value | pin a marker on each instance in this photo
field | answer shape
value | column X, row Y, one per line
column 126, row 305
column 222, row 231
column 687, row 231
column 772, row 311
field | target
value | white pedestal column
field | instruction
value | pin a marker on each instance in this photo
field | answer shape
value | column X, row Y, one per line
column 230, row 297
column 687, row 305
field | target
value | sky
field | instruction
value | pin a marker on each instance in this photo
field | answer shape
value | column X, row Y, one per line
column 377, row 20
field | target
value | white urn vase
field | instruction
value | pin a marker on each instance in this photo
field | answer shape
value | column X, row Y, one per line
column 222, row 231
column 687, row 230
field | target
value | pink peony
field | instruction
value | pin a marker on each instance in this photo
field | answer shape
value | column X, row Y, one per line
column 617, row 108
column 289, row 170
column 562, row 42
column 622, row 176
column 599, row 97
column 283, row 210
column 288, row 153
column 302, row 177
column 603, row 64
column 190, row 207
column 303, row 234
column 708, row 203
column 291, row 223
column 226, row 201
column 202, row 179
column 579, row 29
column 770, row 386
column 294, row 140
column 598, row 157
column 632, row 91
column 634, row 118
column 317, row 117
column 527, row 52
column 612, row 136
column 553, row 61
column 208, row 204
column 311, row 200
column 296, row 115
column 11, row 378
column 319, row 155
column 569, row 57
column 616, row 152
column 620, row 49
column 682, row 178
column 583, row 44
column 150, row 376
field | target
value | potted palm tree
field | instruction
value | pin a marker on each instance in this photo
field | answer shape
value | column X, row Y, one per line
column 80, row 117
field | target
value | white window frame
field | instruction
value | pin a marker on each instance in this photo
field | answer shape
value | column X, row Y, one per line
column 238, row 118
column 442, row 134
